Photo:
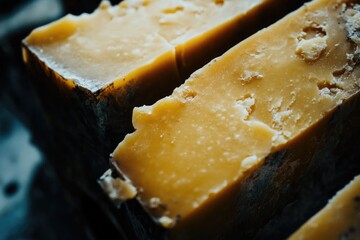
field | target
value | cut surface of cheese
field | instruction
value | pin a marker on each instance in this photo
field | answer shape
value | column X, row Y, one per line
column 339, row 219
column 196, row 146
column 95, row 50
column 132, row 54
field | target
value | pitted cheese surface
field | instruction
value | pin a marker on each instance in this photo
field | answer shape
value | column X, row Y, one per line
column 95, row 50
column 219, row 126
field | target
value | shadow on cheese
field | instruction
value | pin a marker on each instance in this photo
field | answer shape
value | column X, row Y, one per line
column 217, row 157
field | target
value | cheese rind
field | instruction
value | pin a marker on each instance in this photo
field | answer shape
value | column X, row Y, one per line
column 195, row 148
column 339, row 219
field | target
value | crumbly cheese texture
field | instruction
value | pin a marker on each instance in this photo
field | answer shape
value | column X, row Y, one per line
column 219, row 126
column 95, row 50
column 339, row 219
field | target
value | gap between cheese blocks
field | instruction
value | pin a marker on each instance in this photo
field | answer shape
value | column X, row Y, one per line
column 339, row 219
column 219, row 155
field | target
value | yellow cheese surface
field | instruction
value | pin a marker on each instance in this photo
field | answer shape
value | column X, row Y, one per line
column 97, row 67
column 119, row 42
column 195, row 145
column 339, row 219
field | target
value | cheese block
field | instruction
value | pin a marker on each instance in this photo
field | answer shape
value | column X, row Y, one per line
column 217, row 157
column 91, row 70
column 339, row 219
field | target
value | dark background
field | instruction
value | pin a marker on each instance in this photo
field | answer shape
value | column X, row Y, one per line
column 33, row 202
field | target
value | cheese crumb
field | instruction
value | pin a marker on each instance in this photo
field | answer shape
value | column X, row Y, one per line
column 248, row 76
column 246, row 106
column 311, row 49
column 331, row 92
column 280, row 117
column 116, row 188
column 278, row 139
column 249, row 161
column 166, row 222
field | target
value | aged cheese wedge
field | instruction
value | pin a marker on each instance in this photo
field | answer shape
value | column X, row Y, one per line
column 339, row 219
column 204, row 160
column 103, row 64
